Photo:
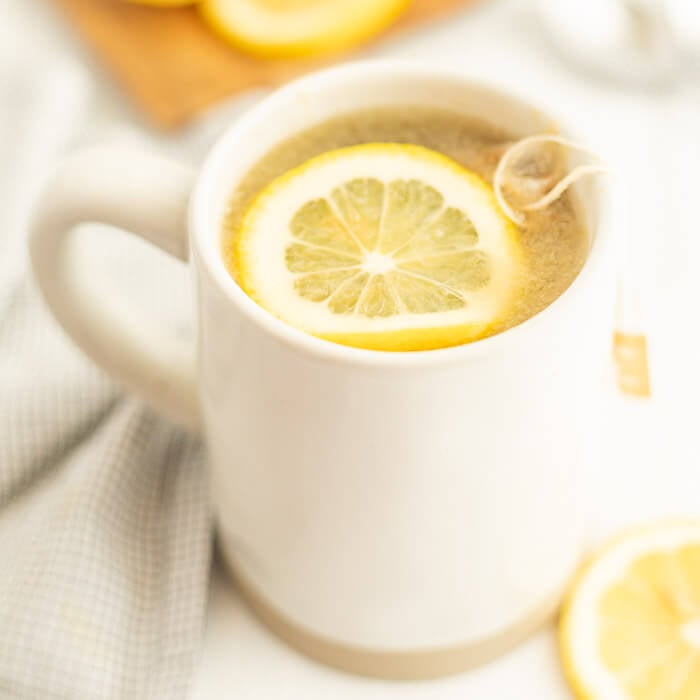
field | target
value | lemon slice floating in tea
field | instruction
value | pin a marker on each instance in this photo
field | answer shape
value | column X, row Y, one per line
column 631, row 627
column 381, row 246
column 293, row 28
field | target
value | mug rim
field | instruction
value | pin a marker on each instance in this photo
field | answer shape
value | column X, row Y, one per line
column 208, row 252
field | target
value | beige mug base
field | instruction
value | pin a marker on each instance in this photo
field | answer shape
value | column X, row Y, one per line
column 396, row 665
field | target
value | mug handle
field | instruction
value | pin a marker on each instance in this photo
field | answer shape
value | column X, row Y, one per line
column 147, row 196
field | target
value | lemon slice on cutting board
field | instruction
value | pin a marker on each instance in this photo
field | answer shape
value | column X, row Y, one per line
column 381, row 246
column 295, row 28
column 163, row 3
column 630, row 629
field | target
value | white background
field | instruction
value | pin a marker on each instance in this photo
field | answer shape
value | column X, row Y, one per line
column 648, row 466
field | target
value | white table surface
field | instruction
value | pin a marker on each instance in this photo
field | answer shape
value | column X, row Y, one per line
column 649, row 464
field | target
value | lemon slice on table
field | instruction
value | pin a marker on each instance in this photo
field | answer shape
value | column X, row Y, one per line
column 381, row 246
column 631, row 627
column 295, row 28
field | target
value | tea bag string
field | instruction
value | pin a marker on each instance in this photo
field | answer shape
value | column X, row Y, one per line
column 577, row 173
column 629, row 344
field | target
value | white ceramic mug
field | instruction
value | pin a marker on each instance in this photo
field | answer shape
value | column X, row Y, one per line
column 395, row 514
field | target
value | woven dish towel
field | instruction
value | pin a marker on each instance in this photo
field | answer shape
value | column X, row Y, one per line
column 104, row 523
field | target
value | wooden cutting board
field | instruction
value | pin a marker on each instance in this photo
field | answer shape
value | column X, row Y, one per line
column 173, row 66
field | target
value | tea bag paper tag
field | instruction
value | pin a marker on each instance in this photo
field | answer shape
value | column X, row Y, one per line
column 630, row 353
column 630, row 349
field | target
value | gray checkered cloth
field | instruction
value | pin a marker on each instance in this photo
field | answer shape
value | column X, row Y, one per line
column 104, row 520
